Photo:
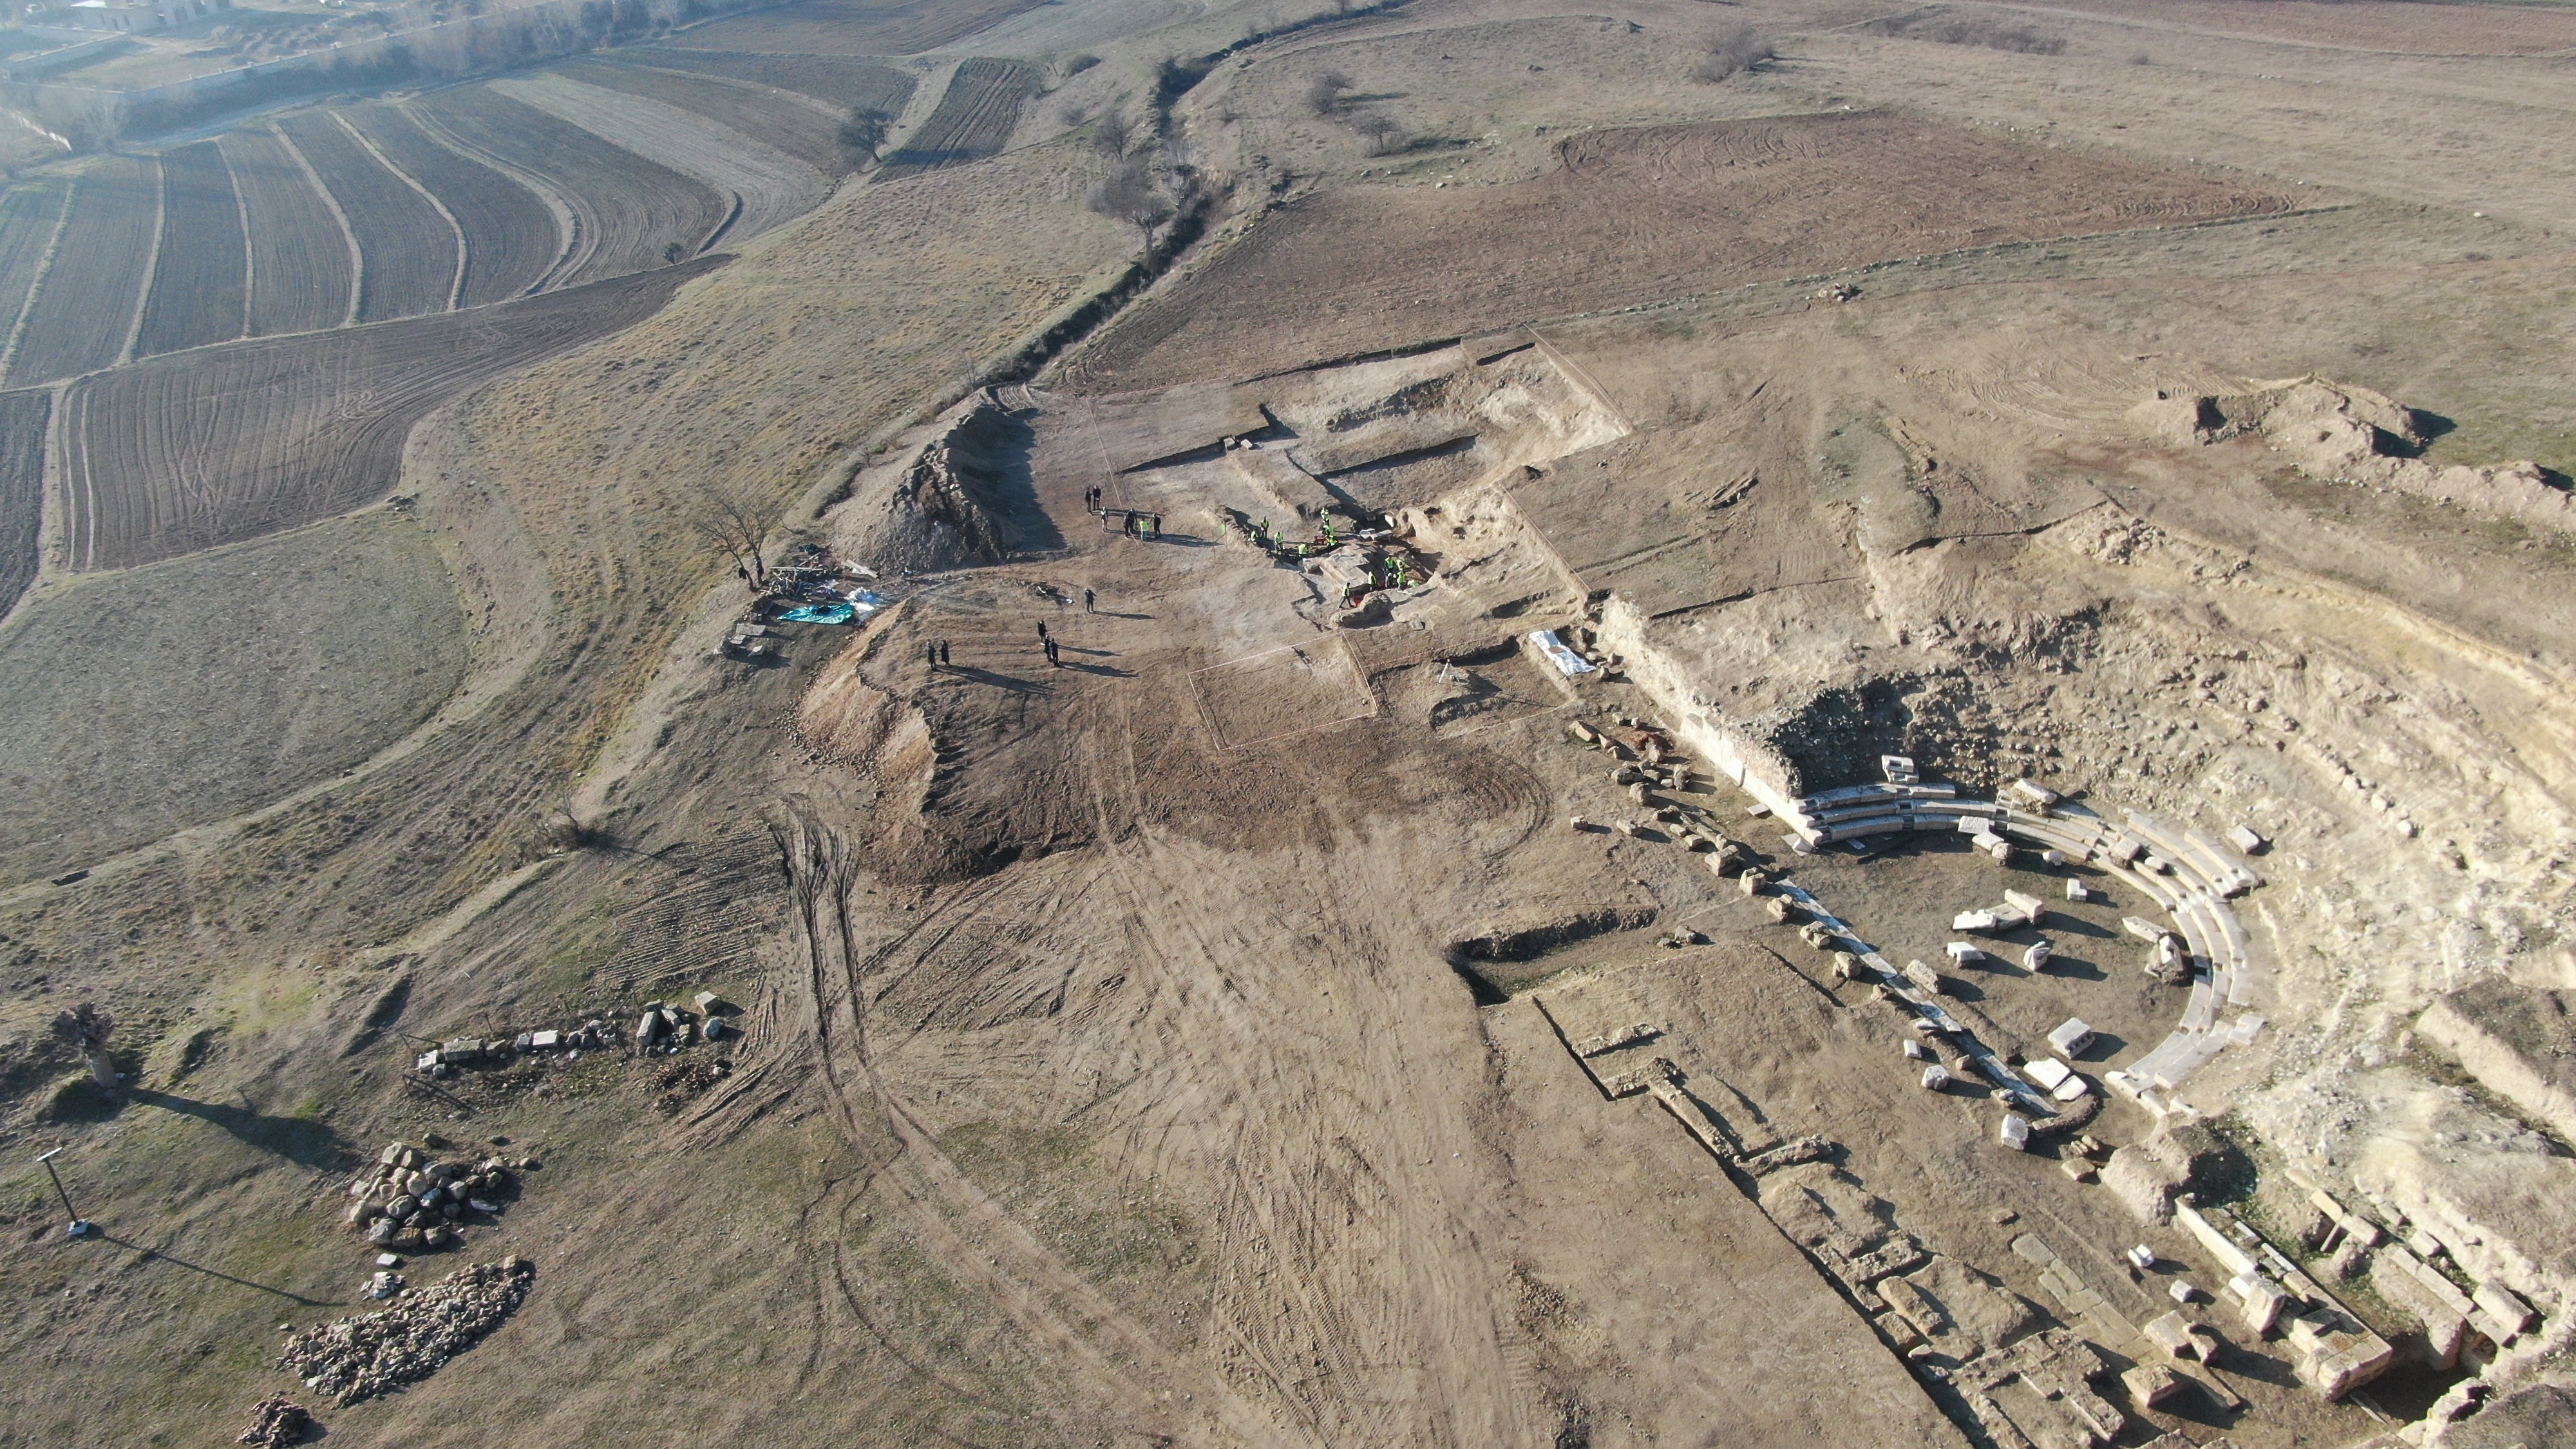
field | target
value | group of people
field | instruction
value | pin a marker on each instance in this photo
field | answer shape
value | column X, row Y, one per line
column 935, row 651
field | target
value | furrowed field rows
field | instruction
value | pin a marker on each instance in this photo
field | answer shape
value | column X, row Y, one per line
column 407, row 251
column 630, row 214
column 843, row 84
column 22, row 488
column 84, row 309
column 972, row 121
column 511, row 241
column 28, row 215
column 177, row 454
column 854, row 27
column 771, row 186
column 300, row 269
column 197, row 285
column 796, row 124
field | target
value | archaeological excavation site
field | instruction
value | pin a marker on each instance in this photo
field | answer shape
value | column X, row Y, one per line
column 1417, row 723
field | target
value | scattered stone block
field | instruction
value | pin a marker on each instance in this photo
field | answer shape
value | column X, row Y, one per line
column 2245, row 840
column 2075, row 891
column 2014, row 1132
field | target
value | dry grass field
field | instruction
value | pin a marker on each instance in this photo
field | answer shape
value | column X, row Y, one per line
column 170, row 456
column 303, row 273
column 2407, row 29
column 83, row 312
column 511, row 241
column 197, row 294
column 1198, row 1035
column 147, row 702
column 1631, row 216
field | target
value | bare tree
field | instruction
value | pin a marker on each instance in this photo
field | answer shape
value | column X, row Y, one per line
column 1736, row 48
column 1128, row 194
column 1381, row 134
column 1113, row 133
column 87, row 1027
column 1324, row 93
column 737, row 522
column 863, row 134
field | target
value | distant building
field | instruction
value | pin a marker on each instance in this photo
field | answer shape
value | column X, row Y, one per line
column 135, row 17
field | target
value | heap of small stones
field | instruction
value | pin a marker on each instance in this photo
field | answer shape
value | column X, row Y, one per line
column 410, row 1201
column 277, row 1420
column 374, row 1353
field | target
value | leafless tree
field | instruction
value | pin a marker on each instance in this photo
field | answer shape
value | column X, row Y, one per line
column 1324, row 93
column 1128, row 193
column 1381, row 134
column 1113, row 133
column 863, row 134
column 737, row 522
column 1736, row 48
column 87, row 1028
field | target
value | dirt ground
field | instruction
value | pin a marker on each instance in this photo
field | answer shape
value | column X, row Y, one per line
column 1223, row 1033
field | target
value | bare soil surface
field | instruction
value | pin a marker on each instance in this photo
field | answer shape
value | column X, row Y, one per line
column 511, row 240
column 1632, row 216
column 181, row 454
column 2414, row 29
column 631, row 214
column 83, row 312
column 973, row 120
column 765, row 185
column 849, row 27
column 197, row 295
column 845, row 84
column 787, row 120
column 302, row 263
column 23, row 416
column 407, row 249
column 1262, row 1023
column 28, row 217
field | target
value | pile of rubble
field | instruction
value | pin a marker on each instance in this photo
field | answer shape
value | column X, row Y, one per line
column 373, row 1353
column 277, row 1420
column 444, row 1059
column 410, row 1201
column 664, row 1028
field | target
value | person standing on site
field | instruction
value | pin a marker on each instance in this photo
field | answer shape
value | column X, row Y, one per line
column 1042, row 634
column 943, row 653
column 1087, row 597
column 930, row 652
column 1052, row 661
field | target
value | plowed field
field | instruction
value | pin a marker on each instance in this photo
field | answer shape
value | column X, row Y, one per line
column 27, row 217
column 173, row 455
column 631, row 214
column 22, row 488
column 510, row 236
column 853, row 27
column 300, row 272
column 771, row 186
column 795, row 124
column 197, row 285
column 407, row 251
column 1629, row 216
column 972, row 121
column 84, row 309
column 2412, row 28
column 841, row 83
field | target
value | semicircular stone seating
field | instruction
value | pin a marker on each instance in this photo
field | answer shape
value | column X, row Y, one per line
column 2182, row 871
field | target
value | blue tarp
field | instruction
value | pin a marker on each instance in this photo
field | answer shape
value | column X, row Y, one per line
column 820, row 614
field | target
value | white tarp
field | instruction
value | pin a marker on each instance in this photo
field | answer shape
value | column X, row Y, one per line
column 1566, row 660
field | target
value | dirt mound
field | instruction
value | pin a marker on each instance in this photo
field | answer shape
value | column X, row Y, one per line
column 2338, row 433
column 844, row 718
column 949, row 506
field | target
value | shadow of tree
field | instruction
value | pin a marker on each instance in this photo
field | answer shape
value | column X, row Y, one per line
column 299, row 1140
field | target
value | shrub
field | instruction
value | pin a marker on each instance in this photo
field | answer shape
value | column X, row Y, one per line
column 1737, row 48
